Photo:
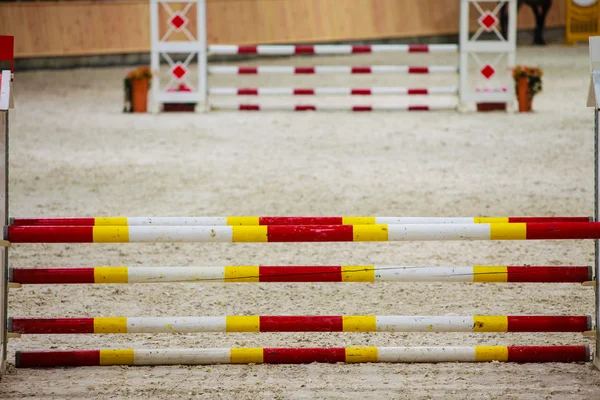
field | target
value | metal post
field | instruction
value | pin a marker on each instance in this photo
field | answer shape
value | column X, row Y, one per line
column 5, row 103
column 597, row 242
column 594, row 101
column 4, row 250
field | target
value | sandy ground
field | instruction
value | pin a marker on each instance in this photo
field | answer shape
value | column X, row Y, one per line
column 75, row 154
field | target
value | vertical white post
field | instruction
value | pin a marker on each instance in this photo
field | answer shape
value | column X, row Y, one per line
column 202, row 55
column 154, row 55
column 5, row 104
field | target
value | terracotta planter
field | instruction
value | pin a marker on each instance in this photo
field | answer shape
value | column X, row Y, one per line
column 139, row 95
column 524, row 95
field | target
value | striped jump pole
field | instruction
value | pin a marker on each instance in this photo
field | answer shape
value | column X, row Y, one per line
column 329, row 107
column 303, row 233
column 331, row 91
column 353, row 323
column 258, row 220
column 358, row 273
column 330, row 69
column 332, row 49
column 519, row 354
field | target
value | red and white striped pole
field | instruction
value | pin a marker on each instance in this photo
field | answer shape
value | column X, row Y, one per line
column 332, row 49
column 330, row 107
column 331, row 69
column 332, row 91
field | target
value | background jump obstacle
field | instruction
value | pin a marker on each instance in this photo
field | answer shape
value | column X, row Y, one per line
column 302, row 233
column 349, row 323
column 520, row 354
column 347, row 273
column 256, row 220
column 472, row 65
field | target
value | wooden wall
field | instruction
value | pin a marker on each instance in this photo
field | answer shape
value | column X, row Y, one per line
column 76, row 27
column 85, row 27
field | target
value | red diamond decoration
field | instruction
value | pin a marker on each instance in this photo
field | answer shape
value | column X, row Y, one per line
column 178, row 21
column 488, row 21
column 178, row 71
column 487, row 71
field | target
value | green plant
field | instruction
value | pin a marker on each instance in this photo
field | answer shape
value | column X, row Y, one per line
column 140, row 73
column 127, row 97
column 533, row 76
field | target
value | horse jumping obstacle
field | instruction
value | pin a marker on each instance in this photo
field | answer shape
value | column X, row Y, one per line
column 121, row 325
column 258, row 229
column 471, row 48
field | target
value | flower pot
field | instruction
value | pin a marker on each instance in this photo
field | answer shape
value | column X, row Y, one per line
column 524, row 95
column 139, row 94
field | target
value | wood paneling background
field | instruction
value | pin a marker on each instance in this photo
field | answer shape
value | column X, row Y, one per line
column 78, row 27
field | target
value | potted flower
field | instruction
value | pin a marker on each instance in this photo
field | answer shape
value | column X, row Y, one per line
column 136, row 86
column 180, row 107
column 528, row 83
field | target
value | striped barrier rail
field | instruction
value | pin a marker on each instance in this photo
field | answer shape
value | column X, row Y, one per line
column 330, row 107
column 331, row 91
column 332, row 49
column 140, row 357
column 344, row 273
column 330, row 69
column 302, row 233
column 352, row 323
column 269, row 220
